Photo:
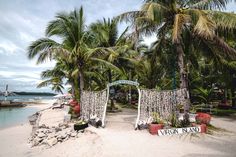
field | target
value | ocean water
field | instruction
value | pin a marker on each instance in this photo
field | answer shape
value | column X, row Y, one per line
column 18, row 115
column 25, row 98
column 14, row 116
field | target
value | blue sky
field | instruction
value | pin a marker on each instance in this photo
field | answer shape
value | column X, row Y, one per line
column 23, row 21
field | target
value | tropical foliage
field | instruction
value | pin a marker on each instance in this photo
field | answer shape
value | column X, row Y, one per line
column 194, row 49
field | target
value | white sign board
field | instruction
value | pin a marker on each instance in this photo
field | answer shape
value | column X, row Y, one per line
column 166, row 132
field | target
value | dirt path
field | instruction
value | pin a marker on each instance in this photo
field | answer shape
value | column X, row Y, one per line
column 124, row 121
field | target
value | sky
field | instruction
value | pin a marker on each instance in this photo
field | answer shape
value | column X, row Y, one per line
column 24, row 21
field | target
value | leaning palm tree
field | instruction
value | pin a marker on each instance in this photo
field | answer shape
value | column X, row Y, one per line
column 76, row 42
column 175, row 18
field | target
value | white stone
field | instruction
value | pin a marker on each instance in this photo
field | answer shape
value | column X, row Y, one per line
column 73, row 134
column 41, row 135
column 36, row 141
column 51, row 142
column 51, row 135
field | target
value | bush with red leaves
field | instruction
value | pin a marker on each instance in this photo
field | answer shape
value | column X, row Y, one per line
column 75, row 106
column 73, row 103
column 203, row 118
column 77, row 109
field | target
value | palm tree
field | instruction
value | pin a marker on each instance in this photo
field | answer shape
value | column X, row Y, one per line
column 114, row 46
column 175, row 18
column 76, row 42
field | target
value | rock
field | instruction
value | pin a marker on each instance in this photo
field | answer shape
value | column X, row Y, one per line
column 59, row 139
column 52, row 135
column 63, row 125
column 48, row 131
column 36, row 141
column 81, row 131
column 57, row 129
column 33, row 118
column 41, row 130
column 43, row 126
column 73, row 134
column 62, row 134
column 65, row 139
column 68, row 131
column 51, row 142
column 41, row 135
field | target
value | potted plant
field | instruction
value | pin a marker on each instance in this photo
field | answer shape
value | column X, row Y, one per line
column 203, row 119
column 156, row 124
column 80, row 125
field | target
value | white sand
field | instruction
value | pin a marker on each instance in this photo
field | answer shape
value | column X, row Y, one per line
column 119, row 139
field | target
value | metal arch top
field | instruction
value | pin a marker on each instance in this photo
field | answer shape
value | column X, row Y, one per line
column 134, row 83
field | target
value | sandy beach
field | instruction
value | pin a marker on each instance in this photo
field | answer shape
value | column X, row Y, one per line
column 119, row 139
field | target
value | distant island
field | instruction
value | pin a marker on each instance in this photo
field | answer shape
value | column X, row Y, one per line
column 30, row 93
column 35, row 93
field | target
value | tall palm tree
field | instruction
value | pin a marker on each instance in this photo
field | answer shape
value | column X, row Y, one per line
column 115, row 47
column 173, row 18
column 76, row 41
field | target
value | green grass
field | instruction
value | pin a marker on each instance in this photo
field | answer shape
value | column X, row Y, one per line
column 223, row 112
column 130, row 106
column 218, row 112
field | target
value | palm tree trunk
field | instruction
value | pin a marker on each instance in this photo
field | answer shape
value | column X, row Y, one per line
column 233, row 89
column 72, row 88
column 110, row 80
column 183, row 74
column 130, row 90
column 81, row 83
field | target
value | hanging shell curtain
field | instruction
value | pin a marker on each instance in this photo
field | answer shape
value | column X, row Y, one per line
column 93, row 103
column 162, row 102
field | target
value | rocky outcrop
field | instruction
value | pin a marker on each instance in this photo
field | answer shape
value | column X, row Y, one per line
column 50, row 136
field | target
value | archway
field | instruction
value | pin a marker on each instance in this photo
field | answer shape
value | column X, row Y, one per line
column 94, row 103
column 124, row 82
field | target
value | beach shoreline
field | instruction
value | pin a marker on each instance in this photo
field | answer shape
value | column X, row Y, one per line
column 43, row 104
column 112, row 140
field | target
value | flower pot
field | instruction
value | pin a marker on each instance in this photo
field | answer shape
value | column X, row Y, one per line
column 153, row 128
column 203, row 128
column 203, row 118
column 80, row 126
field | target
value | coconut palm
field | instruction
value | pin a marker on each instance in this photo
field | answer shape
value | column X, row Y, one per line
column 115, row 47
column 76, row 42
column 174, row 18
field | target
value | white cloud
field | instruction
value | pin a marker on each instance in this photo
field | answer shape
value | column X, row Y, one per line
column 9, row 47
column 23, row 21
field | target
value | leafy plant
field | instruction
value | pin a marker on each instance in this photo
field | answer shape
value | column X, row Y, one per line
column 174, row 120
column 156, row 118
column 185, row 122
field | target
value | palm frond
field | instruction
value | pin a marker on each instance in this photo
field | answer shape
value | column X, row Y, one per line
column 179, row 21
column 208, row 4
column 204, row 27
column 43, row 47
